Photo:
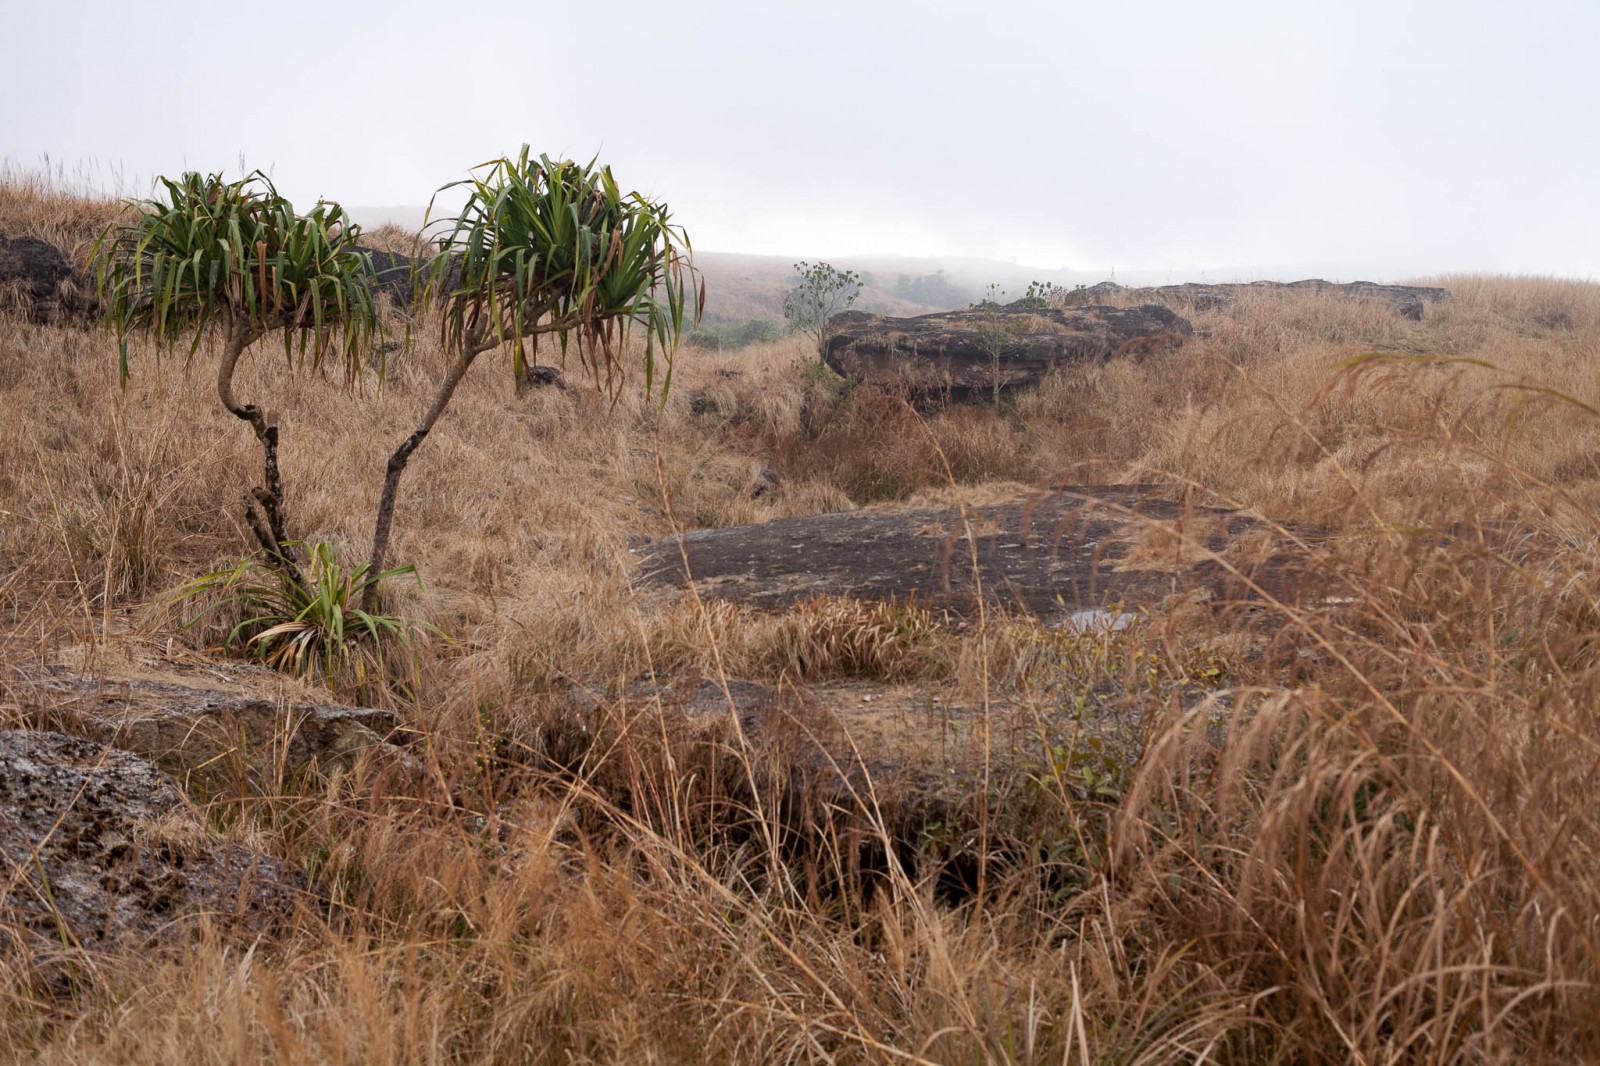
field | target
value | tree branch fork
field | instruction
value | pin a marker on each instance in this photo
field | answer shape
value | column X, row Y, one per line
column 264, row 505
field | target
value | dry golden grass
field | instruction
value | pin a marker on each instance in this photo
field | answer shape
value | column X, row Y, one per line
column 1361, row 830
column 44, row 204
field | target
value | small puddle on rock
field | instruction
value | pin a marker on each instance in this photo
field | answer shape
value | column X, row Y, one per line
column 1095, row 620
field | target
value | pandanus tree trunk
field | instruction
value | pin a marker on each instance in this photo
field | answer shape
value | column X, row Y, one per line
column 397, row 466
column 477, row 341
column 264, row 504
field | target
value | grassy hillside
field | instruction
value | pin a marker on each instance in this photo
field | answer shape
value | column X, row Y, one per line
column 1362, row 828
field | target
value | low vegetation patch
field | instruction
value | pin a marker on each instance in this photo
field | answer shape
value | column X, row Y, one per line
column 313, row 627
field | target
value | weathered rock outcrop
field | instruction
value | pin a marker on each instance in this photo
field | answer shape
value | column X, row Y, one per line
column 962, row 354
column 1052, row 554
column 97, row 846
column 189, row 730
column 391, row 275
column 400, row 277
column 37, row 279
column 1407, row 300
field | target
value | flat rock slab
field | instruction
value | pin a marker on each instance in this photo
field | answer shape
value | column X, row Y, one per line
column 840, row 727
column 911, row 763
column 1051, row 555
column 189, row 730
column 97, row 846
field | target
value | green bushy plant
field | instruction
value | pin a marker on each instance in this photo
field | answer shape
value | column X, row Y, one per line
column 314, row 629
column 820, row 292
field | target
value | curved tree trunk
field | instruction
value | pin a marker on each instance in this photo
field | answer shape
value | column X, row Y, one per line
column 263, row 505
column 397, row 467
column 479, row 339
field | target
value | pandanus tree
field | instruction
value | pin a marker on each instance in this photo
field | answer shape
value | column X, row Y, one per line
column 238, row 257
column 550, row 250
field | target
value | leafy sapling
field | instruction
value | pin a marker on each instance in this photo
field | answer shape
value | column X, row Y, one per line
column 820, row 292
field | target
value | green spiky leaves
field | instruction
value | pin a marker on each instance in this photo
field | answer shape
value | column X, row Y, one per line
column 312, row 629
column 555, row 247
column 238, row 254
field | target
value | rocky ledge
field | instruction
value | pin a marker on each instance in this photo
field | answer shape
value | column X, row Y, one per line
column 97, row 846
column 201, row 733
column 967, row 355
column 1408, row 301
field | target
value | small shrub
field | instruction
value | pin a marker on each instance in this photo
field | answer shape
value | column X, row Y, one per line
column 313, row 630
column 238, row 255
column 820, row 292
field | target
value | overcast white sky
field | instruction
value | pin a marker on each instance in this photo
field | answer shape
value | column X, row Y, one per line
column 1367, row 138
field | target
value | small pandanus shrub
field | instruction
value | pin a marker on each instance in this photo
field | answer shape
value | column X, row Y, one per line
column 313, row 628
column 555, row 247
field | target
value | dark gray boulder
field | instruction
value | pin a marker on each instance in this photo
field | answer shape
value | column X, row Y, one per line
column 401, row 278
column 535, row 376
column 37, row 279
column 963, row 355
column 392, row 275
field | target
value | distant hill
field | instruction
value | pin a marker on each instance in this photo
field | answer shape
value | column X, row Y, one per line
column 744, row 288
column 741, row 288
